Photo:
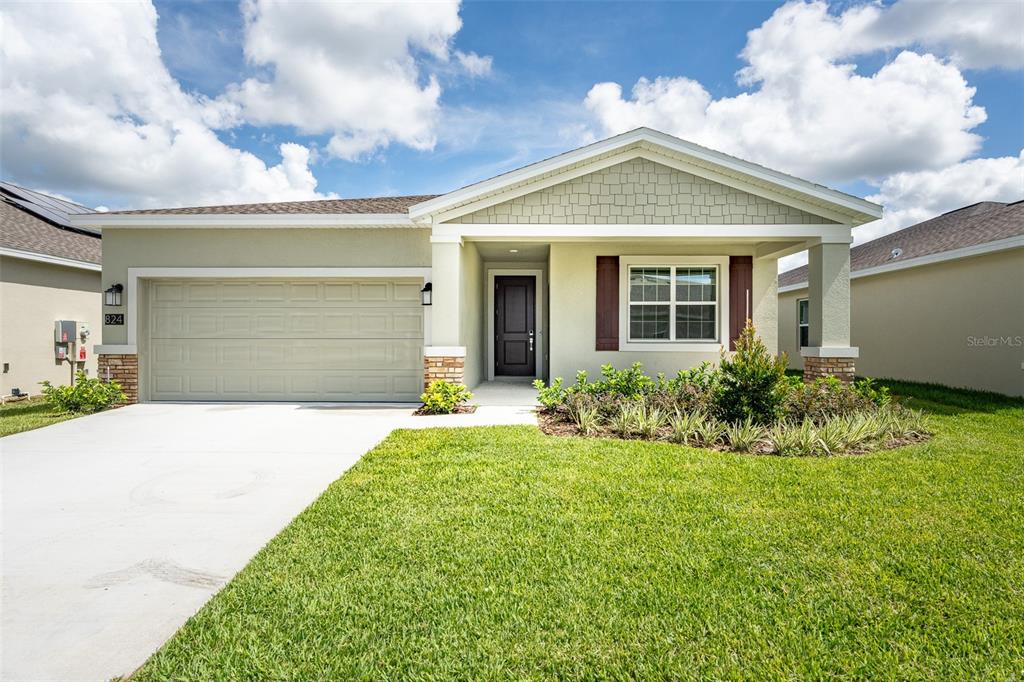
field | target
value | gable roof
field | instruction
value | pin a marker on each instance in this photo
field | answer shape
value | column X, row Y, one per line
column 974, row 225
column 407, row 210
column 36, row 224
column 716, row 164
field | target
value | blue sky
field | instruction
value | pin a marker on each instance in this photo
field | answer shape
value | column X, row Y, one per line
column 545, row 56
column 917, row 105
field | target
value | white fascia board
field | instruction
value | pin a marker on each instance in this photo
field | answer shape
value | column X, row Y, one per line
column 238, row 220
column 830, row 233
column 930, row 259
column 848, row 202
column 52, row 260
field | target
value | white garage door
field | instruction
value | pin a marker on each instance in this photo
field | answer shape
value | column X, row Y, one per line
column 274, row 339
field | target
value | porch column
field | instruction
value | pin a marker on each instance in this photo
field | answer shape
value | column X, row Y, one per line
column 828, row 283
column 445, row 358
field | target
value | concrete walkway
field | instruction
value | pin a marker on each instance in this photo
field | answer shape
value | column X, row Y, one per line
column 119, row 526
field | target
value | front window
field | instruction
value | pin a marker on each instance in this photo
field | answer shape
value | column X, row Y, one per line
column 803, row 321
column 673, row 303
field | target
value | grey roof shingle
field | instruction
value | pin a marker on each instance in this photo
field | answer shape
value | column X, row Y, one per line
column 979, row 223
column 351, row 206
column 23, row 230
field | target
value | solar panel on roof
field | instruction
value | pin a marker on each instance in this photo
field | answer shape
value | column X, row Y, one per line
column 57, row 211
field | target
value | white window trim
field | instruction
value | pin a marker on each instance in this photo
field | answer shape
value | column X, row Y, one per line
column 722, row 262
column 800, row 325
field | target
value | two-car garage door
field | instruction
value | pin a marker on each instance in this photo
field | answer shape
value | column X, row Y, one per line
column 274, row 339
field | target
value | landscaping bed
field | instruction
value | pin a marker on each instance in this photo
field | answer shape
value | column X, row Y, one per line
column 747, row 404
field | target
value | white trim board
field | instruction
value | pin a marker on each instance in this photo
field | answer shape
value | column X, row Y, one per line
column 859, row 209
column 51, row 260
column 242, row 220
column 132, row 311
column 931, row 259
column 827, row 233
column 721, row 262
column 538, row 313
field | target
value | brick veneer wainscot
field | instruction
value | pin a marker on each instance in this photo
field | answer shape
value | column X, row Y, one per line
column 124, row 369
column 840, row 368
column 446, row 367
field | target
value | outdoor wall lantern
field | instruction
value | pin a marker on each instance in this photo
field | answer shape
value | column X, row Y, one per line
column 112, row 296
column 425, row 293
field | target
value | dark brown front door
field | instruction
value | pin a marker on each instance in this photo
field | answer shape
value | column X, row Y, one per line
column 515, row 340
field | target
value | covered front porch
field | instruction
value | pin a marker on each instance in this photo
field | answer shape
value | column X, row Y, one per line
column 507, row 309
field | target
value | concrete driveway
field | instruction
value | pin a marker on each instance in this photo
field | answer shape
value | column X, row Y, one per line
column 117, row 527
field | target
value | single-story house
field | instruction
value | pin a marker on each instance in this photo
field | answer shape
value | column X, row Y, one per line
column 49, row 271
column 941, row 301
column 641, row 247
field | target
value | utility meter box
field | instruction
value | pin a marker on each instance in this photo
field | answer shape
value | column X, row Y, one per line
column 82, row 331
column 65, row 331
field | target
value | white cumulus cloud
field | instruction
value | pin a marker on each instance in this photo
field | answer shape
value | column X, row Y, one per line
column 809, row 113
column 101, row 113
column 360, row 72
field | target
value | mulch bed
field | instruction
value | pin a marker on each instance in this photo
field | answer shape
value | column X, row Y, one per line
column 461, row 409
column 554, row 424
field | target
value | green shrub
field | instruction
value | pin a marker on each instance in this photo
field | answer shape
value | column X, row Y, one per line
column 752, row 381
column 867, row 389
column 550, row 397
column 824, row 399
column 442, row 397
column 85, row 396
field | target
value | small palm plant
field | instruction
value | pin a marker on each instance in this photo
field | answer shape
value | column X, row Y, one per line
column 744, row 436
column 781, row 439
column 684, row 426
column 647, row 421
column 710, row 432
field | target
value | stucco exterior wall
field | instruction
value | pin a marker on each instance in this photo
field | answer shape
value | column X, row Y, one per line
column 472, row 314
column 299, row 247
column 643, row 192
column 32, row 296
column 572, row 287
column 959, row 323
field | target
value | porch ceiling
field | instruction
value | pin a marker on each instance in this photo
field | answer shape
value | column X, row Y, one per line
column 513, row 251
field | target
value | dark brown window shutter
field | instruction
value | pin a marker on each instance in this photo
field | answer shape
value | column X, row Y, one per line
column 741, row 279
column 607, row 303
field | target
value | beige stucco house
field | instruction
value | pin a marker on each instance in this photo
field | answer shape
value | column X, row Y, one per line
column 642, row 247
column 49, row 271
column 940, row 302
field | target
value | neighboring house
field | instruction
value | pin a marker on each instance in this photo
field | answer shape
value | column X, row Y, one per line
column 941, row 301
column 641, row 247
column 49, row 271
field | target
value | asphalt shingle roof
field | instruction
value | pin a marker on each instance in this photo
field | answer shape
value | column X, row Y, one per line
column 25, row 231
column 980, row 223
column 351, row 206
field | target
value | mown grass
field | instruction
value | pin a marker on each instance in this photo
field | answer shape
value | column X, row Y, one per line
column 501, row 553
column 27, row 415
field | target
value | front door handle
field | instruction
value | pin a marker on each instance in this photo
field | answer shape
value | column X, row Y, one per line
column 531, row 340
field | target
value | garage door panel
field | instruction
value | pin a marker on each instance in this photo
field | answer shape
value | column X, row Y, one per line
column 342, row 340
column 286, row 293
column 332, row 385
column 227, row 323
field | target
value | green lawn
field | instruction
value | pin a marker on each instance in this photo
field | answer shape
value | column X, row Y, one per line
column 27, row 415
column 500, row 553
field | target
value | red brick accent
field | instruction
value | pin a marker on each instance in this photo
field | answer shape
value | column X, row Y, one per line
column 840, row 368
column 449, row 368
column 124, row 369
